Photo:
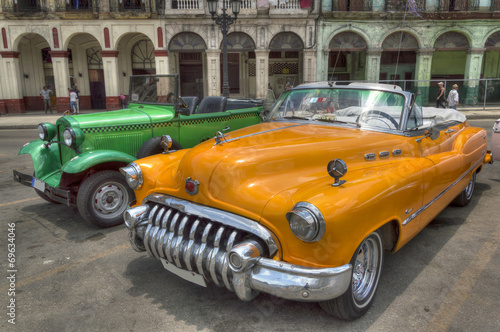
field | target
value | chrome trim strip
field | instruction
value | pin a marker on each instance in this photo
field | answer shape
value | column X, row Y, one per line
column 426, row 206
column 188, row 253
column 213, row 256
column 396, row 152
column 260, row 132
column 201, row 250
column 370, row 156
column 180, row 239
column 223, row 217
column 226, row 269
column 384, row 154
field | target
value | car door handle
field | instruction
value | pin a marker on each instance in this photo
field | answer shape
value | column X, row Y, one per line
column 449, row 131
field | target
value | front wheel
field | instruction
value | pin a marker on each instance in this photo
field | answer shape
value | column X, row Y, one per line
column 103, row 197
column 366, row 269
column 466, row 195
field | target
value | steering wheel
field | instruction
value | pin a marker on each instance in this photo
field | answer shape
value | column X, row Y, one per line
column 373, row 113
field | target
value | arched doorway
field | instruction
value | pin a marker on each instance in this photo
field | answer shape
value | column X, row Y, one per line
column 285, row 61
column 240, row 48
column 491, row 69
column 398, row 60
column 188, row 49
column 450, row 56
column 347, row 57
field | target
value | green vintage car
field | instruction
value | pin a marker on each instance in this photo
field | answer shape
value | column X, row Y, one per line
column 76, row 161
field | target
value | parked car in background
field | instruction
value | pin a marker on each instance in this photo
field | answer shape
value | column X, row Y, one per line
column 304, row 205
column 495, row 140
column 76, row 161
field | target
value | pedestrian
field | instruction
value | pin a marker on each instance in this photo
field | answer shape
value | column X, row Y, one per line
column 72, row 101
column 453, row 97
column 45, row 95
column 288, row 86
column 441, row 99
column 123, row 99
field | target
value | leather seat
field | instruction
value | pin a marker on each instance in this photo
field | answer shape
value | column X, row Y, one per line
column 212, row 104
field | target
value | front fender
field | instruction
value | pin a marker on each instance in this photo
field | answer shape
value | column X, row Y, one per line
column 89, row 159
column 46, row 159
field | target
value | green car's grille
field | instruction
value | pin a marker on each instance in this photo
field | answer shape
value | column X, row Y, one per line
column 128, row 143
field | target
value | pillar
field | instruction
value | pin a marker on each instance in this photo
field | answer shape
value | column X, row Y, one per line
column 324, row 75
column 423, row 75
column 61, row 79
column 111, row 78
column 213, row 72
column 473, row 65
column 373, row 65
column 309, row 69
column 261, row 73
column 12, row 95
column 161, row 62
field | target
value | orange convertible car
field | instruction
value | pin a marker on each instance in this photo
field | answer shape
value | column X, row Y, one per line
column 304, row 205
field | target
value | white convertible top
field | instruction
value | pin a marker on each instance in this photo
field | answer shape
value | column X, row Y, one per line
column 438, row 115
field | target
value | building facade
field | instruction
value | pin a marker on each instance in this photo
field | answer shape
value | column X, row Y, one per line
column 96, row 45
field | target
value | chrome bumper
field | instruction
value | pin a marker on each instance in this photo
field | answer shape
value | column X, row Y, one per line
column 240, row 267
column 55, row 194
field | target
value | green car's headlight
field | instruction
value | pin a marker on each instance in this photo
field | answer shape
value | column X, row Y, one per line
column 73, row 137
column 133, row 175
column 306, row 222
column 46, row 131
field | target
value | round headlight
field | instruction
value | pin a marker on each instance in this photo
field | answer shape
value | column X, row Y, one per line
column 306, row 222
column 69, row 136
column 46, row 131
column 133, row 175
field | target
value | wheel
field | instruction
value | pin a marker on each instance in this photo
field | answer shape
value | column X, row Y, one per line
column 366, row 269
column 466, row 195
column 373, row 113
column 103, row 197
column 45, row 197
column 152, row 146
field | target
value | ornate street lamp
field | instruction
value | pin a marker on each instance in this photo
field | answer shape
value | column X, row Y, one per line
column 225, row 21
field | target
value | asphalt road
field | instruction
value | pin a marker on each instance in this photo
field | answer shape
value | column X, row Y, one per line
column 73, row 276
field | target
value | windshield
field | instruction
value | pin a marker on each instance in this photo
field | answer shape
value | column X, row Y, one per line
column 153, row 89
column 362, row 107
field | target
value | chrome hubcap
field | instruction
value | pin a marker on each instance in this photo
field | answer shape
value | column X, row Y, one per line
column 470, row 187
column 365, row 268
column 110, row 199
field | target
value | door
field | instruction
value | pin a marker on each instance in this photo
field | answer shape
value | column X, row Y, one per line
column 97, row 89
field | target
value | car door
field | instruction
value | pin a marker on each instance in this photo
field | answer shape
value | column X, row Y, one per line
column 197, row 128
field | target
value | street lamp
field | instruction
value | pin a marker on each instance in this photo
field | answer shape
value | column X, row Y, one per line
column 225, row 22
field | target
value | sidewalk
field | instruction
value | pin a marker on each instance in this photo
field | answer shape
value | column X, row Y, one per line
column 31, row 119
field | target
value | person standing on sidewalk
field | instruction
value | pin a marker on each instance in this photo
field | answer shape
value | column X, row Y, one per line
column 441, row 100
column 453, row 97
column 72, row 101
column 45, row 94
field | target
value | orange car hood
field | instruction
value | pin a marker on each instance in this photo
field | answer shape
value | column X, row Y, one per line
column 249, row 171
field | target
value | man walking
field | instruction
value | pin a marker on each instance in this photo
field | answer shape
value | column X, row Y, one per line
column 453, row 97
column 72, row 101
column 45, row 94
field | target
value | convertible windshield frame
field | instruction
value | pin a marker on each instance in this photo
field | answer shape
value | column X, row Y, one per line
column 374, row 108
column 154, row 90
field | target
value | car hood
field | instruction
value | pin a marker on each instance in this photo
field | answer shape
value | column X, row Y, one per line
column 118, row 118
column 261, row 161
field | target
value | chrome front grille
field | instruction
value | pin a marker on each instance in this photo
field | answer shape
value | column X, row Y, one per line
column 195, row 242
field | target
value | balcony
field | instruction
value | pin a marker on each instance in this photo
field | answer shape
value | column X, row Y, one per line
column 291, row 8
column 352, row 5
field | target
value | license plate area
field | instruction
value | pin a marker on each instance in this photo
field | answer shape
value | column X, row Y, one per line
column 186, row 275
column 38, row 184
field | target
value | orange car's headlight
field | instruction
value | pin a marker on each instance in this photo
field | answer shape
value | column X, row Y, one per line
column 133, row 175
column 306, row 222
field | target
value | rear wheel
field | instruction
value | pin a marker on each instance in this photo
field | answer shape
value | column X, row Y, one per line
column 366, row 269
column 466, row 195
column 103, row 197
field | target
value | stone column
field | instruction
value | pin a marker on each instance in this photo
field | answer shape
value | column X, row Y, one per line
column 373, row 65
column 213, row 72
column 324, row 75
column 309, row 69
column 423, row 74
column 261, row 73
column 161, row 62
column 111, row 78
column 12, row 94
column 473, row 65
column 61, row 79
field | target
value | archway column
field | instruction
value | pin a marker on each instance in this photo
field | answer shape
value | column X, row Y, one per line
column 161, row 62
column 325, row 75
column 261, row 73
column 60, row 65
column 309, row 69
column 111, row 78
column 373, row 57
column 473, row 65
column 11, row 95
column 423, row 73
column 213, row 72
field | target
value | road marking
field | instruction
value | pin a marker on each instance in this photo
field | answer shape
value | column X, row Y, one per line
column 65, row 267
column 460, row 291
column 21, row 201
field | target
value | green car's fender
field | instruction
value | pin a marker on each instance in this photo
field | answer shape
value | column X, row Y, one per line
column 46, row 159
column 90, row 159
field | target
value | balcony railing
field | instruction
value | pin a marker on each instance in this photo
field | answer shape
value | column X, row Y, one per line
column 77, row 5
column 28, row 5
column 352, row 5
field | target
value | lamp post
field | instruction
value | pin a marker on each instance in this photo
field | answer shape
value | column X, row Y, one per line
column 224, row 21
